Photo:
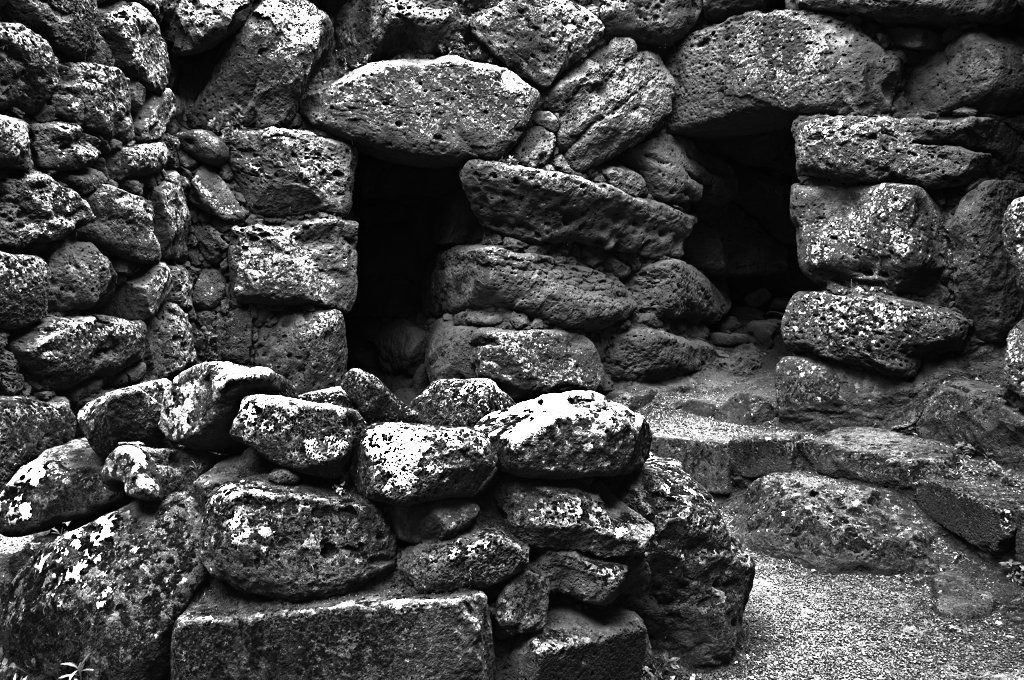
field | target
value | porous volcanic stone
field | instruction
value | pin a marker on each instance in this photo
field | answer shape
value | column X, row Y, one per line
column 880, row 332
column 537, row 40
column 260, row 80
column 374, row 400
column 482, row 558
column 882, row 234
column 80, row 277
column 294, row 543
column 652, row 22
column 68, row 25
column 522, row 605
column 97, row 97
column 1013, row 234
column 152, row 119
column 556, row 208
column 171, row 215
column 835, row 525
column 976, row 413
column 211, row 194
column 301, row 263
column 308, row 348
column 568, row 435
column 123, row 226
column 405, row 463
column 564, row 518
column 373, row 636
column 195, row 26
column 152, row 474
column 63, row 351
column 28, row 427
column 670, row 173
column 1015, row 359
column 29, row 69
column 581, row 578
column 532, row 362
column 425, row 112
column 652, row 354
column 203, row 401
column 730, row 75
column 37, row 210
column 915, row 12
column 554, row 288
column 285, row 173
column 677, row 291
column 128, row 414
column 62, row 147
column 303, row 436
column 23, row 290
column 138, row 161
column 170, row 342
column 455, row 402
column 15, row 148
column 133, row 34
column 114, row 586
column 140, row 298
column 432, row 521
column 62, row 485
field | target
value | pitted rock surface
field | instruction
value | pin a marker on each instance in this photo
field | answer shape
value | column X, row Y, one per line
column 151, row 474
column 38, row 210
column 677, row 291
column 482, row 558
column 28, row 427
column 127, row 414
column 532, row 362
column 454, row 402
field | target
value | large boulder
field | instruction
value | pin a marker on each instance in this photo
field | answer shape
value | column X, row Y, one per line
column 127, row 414
column 64, row 351
column 406, row 463
column 554, row 288
column 531, row 362
column 294, row 543
column 609, row 103
column 28, row 427
column 881, row 332
column 556, row 208
column 482, row 558
column 28, row 69
column 384, row 634
column 568, row 435
column 309, row 262
column 111, row 589
column 455, row 402
column 750, row 73
column 23, row 298
column 883, row 234
column 38, row 210
column 677, row 291
column 260, row 80
column 422, row 112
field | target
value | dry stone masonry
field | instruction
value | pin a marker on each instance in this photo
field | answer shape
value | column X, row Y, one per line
column 425, row 338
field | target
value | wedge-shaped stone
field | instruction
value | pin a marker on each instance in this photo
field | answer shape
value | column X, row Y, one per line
column 294, row 542
column 374, row 400
column 750, row 73
column 581, row 578
column 29, row 426
column 381, row 634
column 128, row 414
column 37, row 210
column 881, row 332
column 531, row 362
column 309, row 262
column 568, row 435
column 482, row 558
column 554, row 288
column 421, row 112
column 454, row 402
column 660, row 23
column 677, row 291
column 653, row 354
column 551, row 207
column 195, row 26
column 133, row 34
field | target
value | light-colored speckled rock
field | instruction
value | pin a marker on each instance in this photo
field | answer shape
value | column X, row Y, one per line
column 37, row 210
column 23, row 290
column 668, row 168
column 522, row 605
column 1013, row 235
column 531, row 362
column 128, row 414
column 568, row 435
column 455, row 402
column 97, row 97
column 29, row 426
column 374, row 400
column 195, row 26
column 150, row 474
column 140, row 298
column 133, row 34
column 482, row 558
column 405, row 463
column 30, row 68
column 15, row 148
column 1015, row 359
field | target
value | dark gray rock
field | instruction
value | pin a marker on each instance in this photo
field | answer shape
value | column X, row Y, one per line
column 308, row 348
column 531, row 362
column 460, row 402
column 420, row 112
column 128, row 414
column 62, row 485
column 929, row 12
column 652, row 354
column 15, row 147
column 151, row 120
column 23, row 290
column 80, row 277
column 294, row 543
column 728, row 74
column 68, row 25
column 374, row 400
column 677, row 291
column 140, row 298
column 97, row 97
column 195, row 26
column 329, row 395
column 555, row 208
column 205, row 146
column 170, row 214
column 203, row 401
column 975, row 413
column 138, row 161
column 482, row 558
column 303, row 436
column 432, row 521
column 522, row 605
column 171, row 345
column 62, row 147
column 568, row 435
column 38, row 210
column 28, row 427
column 152, row 474
column 123, row 226
column 660, row 24
column 406, row 463
column 581, row 578
column 29, row 69
column 668, row 168
column 1013, row 235
column 138, row 48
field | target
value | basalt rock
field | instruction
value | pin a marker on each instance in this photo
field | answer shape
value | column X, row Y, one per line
column 28, row 70
column 80, row 277
column 38, row 210
column 123, row 226
column 374, row 400
column 660, row 24
column 196, row 26
column 151, row 474
column 15, row 148
column 482, row 558
column 23, row 298
column 975, row 413
column 128, row 414
column 652, row 354
column 138, row 48
column 454, row 402
column 531, row 362
column 677, row 291
column 29, row 427
column 310, row 349
column 97, row 97
column 930, row 12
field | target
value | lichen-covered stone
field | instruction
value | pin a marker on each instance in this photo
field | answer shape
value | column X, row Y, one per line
column 195, row 26
column 537, row 40
column 133, row 34
column 581, row 578
column 123, row 226
column 568, row 435
column 128, row 414
column 15, row 147
column 421, row 112
column 97, row 97
column 522, row 605
column 203, row 401
column 68, row 25
column 652, row 354
column 170, row 342
column 108, row 592
column 138, row 161
column 38, row 210
column 62, row 147
column 151, row 474
column 1013, row 235
column 374, row 400
column 260, row 80
column 916, row 12
column 155, row 114
column 610, row 102
column 28, row 69
column 531, row 362
column 62, row 485
column 303, row 436
column 460, row 402
column 310, row 349
column 880, row 332
column 882, row 234
column 554, row 288
column 975, row 413
column 555, row 208
column 835, row 525
column 286, row 173
column 394, row 635
column 301, row 263
column 63, row 351
column 211, row 194
column 141, row 297
column 750, row 73
column 404, row 463
column 294, row 543
column 677, row 291
column 28, row 427
column 23, row 290
column 432, row 521
column 564, row 518
column 482, row 558
column 80, row 277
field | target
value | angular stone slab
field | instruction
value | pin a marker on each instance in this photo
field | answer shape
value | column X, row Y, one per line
column 310, row 349
column 127, row 414
column 38, row 210
column 374, row 400
column 750, row 73
column 199, row 25
column 375, row 636
column 522, row 605
column 28, row 427
column 886, row 334
column 294, row 542
column 123, row 227
column 428, row 113
column 551, row 207
column 133, row 34
column 482, row 558
column 432, row 521
column 976, row 413
column 568, row 435
column 531, row 362
column 70, row 27
column 554, row 288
